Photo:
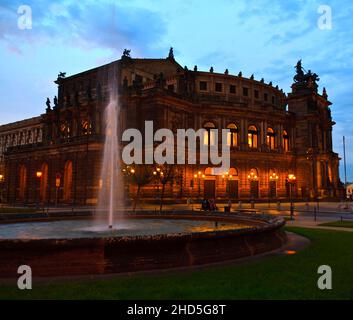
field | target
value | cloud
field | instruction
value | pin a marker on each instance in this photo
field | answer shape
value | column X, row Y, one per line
column 88, row 24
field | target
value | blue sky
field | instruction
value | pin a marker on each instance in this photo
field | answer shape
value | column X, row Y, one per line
column 264, row 37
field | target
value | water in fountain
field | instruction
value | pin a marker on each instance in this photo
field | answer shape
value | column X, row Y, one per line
column 110, row 195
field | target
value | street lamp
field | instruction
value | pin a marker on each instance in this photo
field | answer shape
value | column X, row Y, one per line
column 198, row 177
column 252, row 176
column 291, row 181
column 39, row 177
column 226, row 177
column 158, row 175
column 1, row 183
column 273, row 180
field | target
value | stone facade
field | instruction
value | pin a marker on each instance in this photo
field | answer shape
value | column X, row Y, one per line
column 272, row 134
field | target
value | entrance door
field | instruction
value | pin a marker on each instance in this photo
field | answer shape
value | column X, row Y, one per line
column 273, row 189
column 233, row 189
column 210, row 189
column 254, row 189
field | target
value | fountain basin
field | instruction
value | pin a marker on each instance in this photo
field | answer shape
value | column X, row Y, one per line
column 181, row 240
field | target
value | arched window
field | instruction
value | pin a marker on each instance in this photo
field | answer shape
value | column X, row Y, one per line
column 232, row 136
column 253, row 174
column 270, row 138
column 22, row 182
column 252, row 136
column 233, row 172
column 285, row 140
column 86, row 127
column 209, row 171
column 209, row 137
column 65, row 129
column 67, row 180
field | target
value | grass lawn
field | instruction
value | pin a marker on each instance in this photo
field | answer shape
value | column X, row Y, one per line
column 276, row 277
column 339, row 223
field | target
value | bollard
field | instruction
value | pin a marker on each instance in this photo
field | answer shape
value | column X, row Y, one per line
column 314, row 213
column 307, row 206
column 252, row 204
column 278, row 205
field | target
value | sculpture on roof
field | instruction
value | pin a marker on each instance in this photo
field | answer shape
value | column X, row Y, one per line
column 126, row 53
column 48, row 104
column 299, row 72
column 171, row 53
column 305, row 79
column 55, row 102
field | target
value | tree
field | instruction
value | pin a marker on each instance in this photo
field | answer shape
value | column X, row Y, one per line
column 139, row 175
column 164, row 174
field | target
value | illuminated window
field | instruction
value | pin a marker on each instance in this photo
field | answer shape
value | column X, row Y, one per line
column 65, row 130
column 67, row 181
column 86, row 127
column 252, row 137
column 270, row 138
column 285, row 140
column 209, row 171
column 233, row 172
column 209, row 137
column 232, row 136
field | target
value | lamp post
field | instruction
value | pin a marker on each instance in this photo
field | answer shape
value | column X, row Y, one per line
column 39, row 177
column 291, row 181
column 198, row 177
column 57, row 187
column 1, row 184
column 192, row 193
column 158, row 174
column 273, row 179
column 226, row 177
column 252, row 177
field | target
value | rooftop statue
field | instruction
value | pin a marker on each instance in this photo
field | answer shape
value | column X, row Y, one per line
column 55, row 102
column 48, row 104
column 126, row 53
column 305, row 79
column 61, row 75
column 171, row 53
column 299, row 77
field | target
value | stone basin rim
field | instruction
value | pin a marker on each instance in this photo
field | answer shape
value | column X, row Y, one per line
column 261, row 224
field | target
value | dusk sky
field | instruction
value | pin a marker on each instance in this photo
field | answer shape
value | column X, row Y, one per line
column 263, row 37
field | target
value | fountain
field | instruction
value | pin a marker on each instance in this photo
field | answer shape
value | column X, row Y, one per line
column 110, row 194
